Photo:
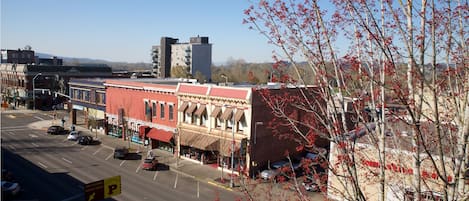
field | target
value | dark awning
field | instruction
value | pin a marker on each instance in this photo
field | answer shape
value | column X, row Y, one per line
column 239, row 114
column 200, row 111
column 161, row 135
column 227, row 114
column 226, row 146
column 191, row 108
column 216, row 112
column 198, row 140
column 183, row 107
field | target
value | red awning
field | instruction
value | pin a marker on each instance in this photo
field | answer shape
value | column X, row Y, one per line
column 161, row 135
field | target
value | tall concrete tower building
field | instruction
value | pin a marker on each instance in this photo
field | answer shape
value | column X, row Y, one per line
column 196, row 56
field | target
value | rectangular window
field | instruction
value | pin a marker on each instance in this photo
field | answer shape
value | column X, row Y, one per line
column 171, row 112
column 97, row 96
column 153, row 105
column 162, row 110
column 86, row 95
column 147, row 111
column 218, row 122
column 78, row 92
column 72, row 93
column 203, row 120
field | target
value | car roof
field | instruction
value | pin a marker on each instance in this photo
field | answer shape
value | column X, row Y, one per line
column 279, row 164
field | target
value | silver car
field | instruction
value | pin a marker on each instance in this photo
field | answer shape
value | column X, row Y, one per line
column 274, row 171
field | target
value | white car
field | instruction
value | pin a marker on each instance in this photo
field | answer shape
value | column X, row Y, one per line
column 73, row 135
column 10, row 188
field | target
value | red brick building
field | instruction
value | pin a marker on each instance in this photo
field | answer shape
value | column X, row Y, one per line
column 142, row 111
column 215, row 119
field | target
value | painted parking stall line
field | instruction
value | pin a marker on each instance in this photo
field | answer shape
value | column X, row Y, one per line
column 66, row 160
column 156, row 174
column 98, row 151
column 39, row 118
column 42, row 165
column 122, row 163
column 108, row 157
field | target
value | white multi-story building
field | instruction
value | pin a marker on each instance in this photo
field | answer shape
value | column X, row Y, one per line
column 196, row 56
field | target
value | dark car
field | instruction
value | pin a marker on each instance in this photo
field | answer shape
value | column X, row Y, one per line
column 150, row 163
column 121, row 152
column 85, row 140
column 10, row 189
column 55, row 130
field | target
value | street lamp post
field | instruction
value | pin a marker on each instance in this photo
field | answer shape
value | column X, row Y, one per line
column 34, row 91
column 232, row 150
column 258, row 123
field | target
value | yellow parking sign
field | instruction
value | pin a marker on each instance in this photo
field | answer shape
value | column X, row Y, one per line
column 112, row 186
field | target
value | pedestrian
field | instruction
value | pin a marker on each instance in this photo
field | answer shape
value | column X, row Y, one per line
column 73, row 127
column 63, row 122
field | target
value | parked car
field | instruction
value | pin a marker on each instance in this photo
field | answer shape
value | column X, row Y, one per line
column 275, row 171
column 85, row 140
column 74, row 135
column 314, row 182
column 121, row 152
column 10, row 188
column 150, row 163
column 55, row 130
column 310, row 184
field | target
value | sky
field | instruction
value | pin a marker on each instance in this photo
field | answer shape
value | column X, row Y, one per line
column 125, row 30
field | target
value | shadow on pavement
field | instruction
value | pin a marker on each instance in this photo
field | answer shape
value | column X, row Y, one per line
column 38, row 184
column 133, row 156
column 162, row 167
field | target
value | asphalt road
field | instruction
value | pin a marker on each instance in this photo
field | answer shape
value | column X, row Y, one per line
column 51, row 168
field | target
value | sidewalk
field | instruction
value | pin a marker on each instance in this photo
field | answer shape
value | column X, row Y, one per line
column 202, row 173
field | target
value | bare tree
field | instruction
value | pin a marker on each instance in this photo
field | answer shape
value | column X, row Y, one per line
column 391, row 59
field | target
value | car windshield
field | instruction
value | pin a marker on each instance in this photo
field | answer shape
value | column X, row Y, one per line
column 148, row 160
column 279, row 164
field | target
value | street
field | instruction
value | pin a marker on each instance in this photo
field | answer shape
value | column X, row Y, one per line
column 49, row 167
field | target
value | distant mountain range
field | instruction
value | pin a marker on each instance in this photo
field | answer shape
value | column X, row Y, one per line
column 114, row 65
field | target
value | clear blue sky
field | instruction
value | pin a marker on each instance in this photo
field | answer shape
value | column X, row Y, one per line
column 125, row 30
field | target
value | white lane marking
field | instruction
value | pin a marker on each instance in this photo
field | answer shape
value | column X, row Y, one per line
column 156, row 174
column 176, row 180
column 33, row 136
column 44, row 166
column 34, row 144
column 65, row 140
column 198, row 189
column 12, row 147
column 122, row 163
column 73, row 197
column 66, row 160
column 109, row 156
column 138, row 168
column 97, row 151
column 39, row 118
column 11, row 133
column 84, row 147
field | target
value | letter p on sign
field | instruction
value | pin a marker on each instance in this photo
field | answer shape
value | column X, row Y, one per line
column 112, row 186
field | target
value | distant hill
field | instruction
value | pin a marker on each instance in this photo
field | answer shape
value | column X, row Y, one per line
column 113, row 65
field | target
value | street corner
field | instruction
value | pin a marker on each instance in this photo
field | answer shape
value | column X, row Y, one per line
column 221, row 183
